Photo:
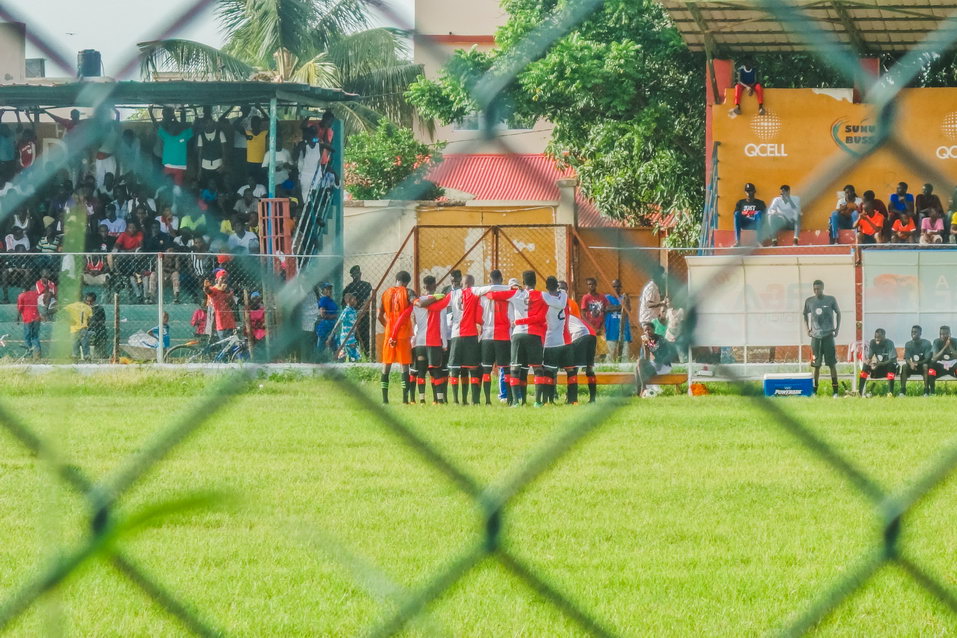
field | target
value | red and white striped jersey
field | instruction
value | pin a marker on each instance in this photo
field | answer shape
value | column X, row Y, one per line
column 529, row 308
column 555, row 318
column 576, row 329
column 427, row 322
column 496, row 314
column 466, row 313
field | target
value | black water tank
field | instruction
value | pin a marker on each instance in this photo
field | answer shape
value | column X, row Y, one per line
column 88, row 63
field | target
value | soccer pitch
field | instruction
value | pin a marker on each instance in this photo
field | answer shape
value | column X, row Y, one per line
column 678, row 516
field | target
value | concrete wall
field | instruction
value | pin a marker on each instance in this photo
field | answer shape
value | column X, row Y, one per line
column 12, row 52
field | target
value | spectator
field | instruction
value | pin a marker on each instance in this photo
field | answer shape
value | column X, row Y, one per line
column 171, row 269
column 256, row 139
column 174, row 137
column 199, row 322
column 257, row 318
column 243, row 241
column 748, row 80
column 845, row 213
column 656, row 357
column 238, row 127
column 80, row 313
column 901, row 200
column 26, row 148
column 931, row 227
column 675, row 316
column 129, row 154
column 46, row 289
column 259, row 191
column 15, row 272
column 651, row 306
column 917, row 355
column 869, row 226
column 328, row 313
column 904, row 230
column 283, row 164
column 17, row 238
column 221, row 299
column 927, row 200
column 312, row 159
column 130, row 240
column 155, row 332
column 29, row 315
column 193, row 220
column 114, row 225
column 8, row 157
column 617, row 323
column 880, row 207
column 168, row 223
column 247, row 205
column 96, row 269
column 749, row 214
column 784, row 214
column 593, row 307
column 210, row 150
column 309, row 319
column 22, row 219
column 361, row 290
column 348, row 344
column 97, row 327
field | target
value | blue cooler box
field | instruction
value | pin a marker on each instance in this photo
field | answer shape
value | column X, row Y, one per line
column 789, row 384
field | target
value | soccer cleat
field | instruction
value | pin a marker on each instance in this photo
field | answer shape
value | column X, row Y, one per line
column 835, row 396
column 515, row 405
column 538, row 405
column 902, row 395
column 890, row 395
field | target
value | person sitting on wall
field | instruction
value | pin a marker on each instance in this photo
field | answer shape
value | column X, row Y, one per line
column 931, row 227
column 880, row 207
column 904, row 230
column 845, row 212
column 784, row 214
column 926, row 200
column 748, row 80
column 900, row 200
column 869, row 225
column 749, row 214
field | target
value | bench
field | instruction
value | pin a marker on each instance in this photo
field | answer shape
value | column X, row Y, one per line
column 624, row 378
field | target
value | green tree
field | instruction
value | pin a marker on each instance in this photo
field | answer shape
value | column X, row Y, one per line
column 624, row 93
column 318, row 42
column 388, row 158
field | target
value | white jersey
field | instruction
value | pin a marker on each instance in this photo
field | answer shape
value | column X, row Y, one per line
column 420, row 324
column 522, row 299
column 497, row 316
column 576, row 329
column 555, row 318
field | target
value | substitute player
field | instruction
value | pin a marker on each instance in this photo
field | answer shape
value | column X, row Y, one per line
column 822, row 318
column 917, row 355
column 880, row 362
column 394, row 302
column 943, row 359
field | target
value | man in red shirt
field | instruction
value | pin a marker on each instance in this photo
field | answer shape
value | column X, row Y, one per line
column 29, row 315
column 221, row 299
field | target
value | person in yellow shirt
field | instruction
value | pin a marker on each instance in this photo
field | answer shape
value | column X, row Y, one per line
column 80, row 313
column 256, row 139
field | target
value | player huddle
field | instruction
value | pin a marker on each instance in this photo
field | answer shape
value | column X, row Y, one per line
column 456, row 339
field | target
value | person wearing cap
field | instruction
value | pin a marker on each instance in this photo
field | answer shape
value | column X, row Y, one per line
column 845, row 213
column 220, row 297
column 362, row 290
column 749, row 214
column 784, row 213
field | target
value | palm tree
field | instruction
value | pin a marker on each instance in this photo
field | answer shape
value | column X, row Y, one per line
column 317, row 42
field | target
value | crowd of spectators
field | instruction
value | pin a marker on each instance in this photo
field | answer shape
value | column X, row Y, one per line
column 903, row 219
column 189, row 189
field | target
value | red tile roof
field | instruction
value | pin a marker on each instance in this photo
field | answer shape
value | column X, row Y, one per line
column 512, row 178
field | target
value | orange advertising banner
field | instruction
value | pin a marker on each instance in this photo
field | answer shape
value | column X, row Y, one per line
column 807, row 132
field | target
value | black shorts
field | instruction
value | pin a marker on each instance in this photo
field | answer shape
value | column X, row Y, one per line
column 495, row 352
column 584, row 351
column 433, row 355
column 560, row 357
column 881, row 370
column 941, row 371
column 906, row 370
column 823, row 352
column 527, row 350
column 464, row 353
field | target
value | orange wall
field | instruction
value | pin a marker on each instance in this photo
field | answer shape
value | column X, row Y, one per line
column 805, row 140
column 485, row 216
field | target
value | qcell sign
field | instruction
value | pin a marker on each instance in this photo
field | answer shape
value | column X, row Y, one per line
column 765, row 150
column 947, row 152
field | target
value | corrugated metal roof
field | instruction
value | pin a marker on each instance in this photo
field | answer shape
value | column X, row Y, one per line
column 512, row 177
column 870, row 26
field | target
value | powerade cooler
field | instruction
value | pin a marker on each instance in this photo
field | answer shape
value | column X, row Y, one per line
column 789, row 384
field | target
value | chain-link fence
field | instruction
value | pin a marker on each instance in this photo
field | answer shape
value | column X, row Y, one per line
column 234, row 307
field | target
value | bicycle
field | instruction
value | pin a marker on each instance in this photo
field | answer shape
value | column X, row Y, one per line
column 20, row 354
column 231, row 349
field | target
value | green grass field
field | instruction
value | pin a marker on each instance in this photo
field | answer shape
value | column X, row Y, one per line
column 678, row 516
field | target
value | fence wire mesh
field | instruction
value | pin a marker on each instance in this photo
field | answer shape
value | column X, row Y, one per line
column 268, row 298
